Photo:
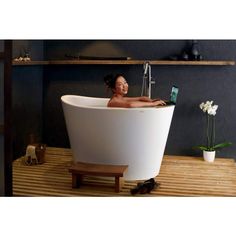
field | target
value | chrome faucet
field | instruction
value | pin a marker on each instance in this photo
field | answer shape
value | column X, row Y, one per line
column 147, row 80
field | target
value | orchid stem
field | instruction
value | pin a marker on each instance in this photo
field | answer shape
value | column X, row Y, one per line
column 213, row 131
column 208, row 138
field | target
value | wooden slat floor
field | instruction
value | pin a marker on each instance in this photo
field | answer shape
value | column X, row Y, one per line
column 179, row 176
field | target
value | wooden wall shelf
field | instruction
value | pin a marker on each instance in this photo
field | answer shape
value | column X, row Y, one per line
column 123, row 62
column 29, row 63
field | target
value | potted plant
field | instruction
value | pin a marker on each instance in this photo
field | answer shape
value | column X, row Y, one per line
column 210, row 149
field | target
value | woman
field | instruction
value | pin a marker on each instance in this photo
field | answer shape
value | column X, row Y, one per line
column 119, row 87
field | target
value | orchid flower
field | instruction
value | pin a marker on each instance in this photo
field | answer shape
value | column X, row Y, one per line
column 210, row 111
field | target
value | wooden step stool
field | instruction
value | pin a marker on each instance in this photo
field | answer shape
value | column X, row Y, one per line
column 79, row 169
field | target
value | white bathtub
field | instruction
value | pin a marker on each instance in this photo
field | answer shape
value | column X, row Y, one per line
column 125, row 136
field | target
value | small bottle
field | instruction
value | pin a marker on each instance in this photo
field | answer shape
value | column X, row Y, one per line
column 195, row 50
column 185, row 56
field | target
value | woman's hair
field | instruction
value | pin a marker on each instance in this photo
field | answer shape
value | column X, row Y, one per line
column 110, row 80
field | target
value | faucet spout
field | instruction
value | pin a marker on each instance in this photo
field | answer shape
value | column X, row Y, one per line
column 147, row 80
column 145, row 68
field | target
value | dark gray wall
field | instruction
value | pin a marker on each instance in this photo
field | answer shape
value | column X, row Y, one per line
column 27, row 92
column 1, row 122
column 196, row 83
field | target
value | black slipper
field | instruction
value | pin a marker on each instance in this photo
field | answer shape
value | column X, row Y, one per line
column 145, row 187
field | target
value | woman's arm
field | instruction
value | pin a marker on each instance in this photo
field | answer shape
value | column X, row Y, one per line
column 133, row 103
column 142, row 99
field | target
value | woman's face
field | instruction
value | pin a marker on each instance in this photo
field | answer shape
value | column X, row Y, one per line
column 121, row 86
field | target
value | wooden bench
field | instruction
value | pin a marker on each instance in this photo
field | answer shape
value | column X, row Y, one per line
column 79, row 169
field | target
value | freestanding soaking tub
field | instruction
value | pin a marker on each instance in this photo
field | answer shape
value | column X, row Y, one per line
column 124, row 136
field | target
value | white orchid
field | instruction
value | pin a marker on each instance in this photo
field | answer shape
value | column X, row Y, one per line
column 208, row 107
column 210, row 111
column 201, row 105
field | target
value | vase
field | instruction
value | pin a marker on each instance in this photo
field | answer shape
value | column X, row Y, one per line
column 209, row 156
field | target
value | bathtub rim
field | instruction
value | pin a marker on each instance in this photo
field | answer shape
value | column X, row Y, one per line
column 63, row 99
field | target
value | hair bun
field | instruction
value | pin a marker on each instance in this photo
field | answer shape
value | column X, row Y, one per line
column 108, row 79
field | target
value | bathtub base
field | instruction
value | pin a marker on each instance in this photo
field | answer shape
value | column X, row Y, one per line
column 80, row 169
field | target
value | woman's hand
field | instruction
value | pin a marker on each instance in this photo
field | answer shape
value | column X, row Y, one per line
column 155, row 102
column 158, row 103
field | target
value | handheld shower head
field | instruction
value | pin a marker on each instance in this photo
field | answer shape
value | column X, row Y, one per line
column 145, row 67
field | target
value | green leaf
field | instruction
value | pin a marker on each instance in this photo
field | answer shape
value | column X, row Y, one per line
column 203, row 148
column 222, row 145
column 217, row 146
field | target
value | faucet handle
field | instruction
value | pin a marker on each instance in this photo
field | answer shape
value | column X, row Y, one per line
column 153, row 81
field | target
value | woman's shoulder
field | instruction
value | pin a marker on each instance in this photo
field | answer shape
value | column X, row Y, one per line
column 116, row 102
column 109, row 104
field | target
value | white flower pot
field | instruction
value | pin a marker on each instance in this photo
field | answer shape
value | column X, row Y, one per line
column 209, row 156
